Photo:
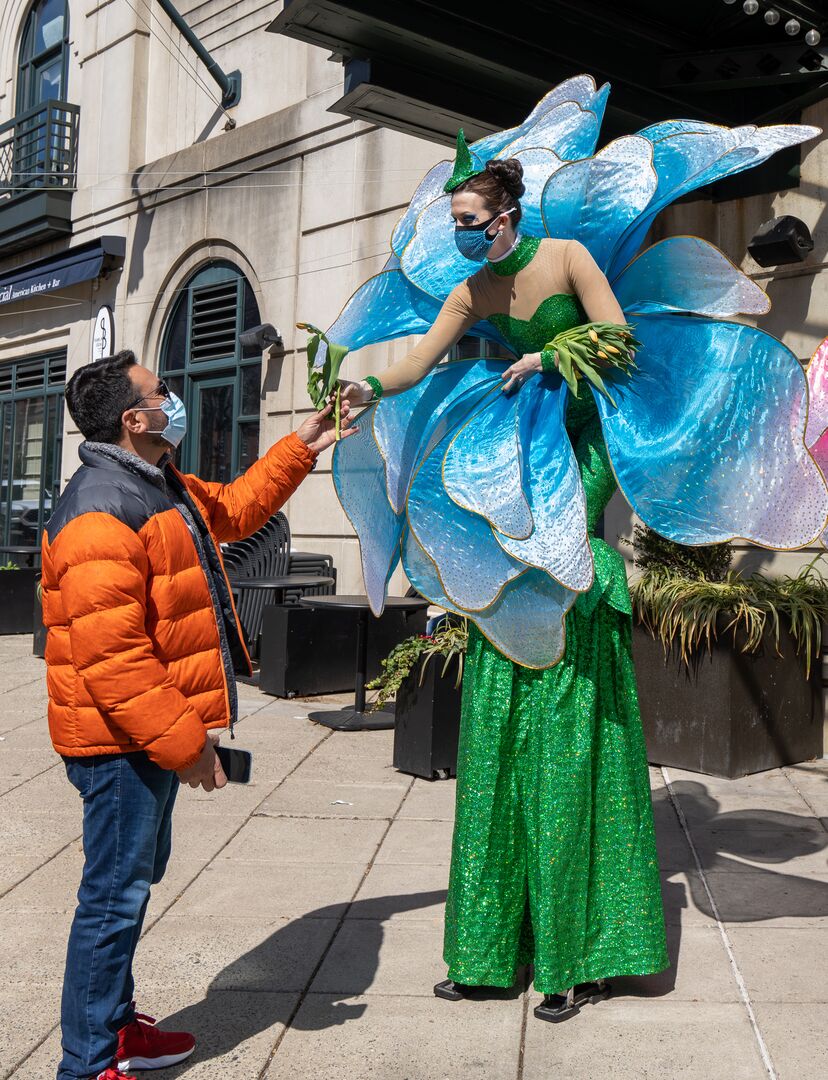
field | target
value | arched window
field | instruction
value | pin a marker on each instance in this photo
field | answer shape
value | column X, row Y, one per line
column 44, row 54
column 219, row 381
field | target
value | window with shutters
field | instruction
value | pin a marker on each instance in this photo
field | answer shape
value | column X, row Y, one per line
column 220, row 382
column 31, row 427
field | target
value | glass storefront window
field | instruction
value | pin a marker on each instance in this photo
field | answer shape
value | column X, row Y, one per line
column 31, row 427
column 220, row 383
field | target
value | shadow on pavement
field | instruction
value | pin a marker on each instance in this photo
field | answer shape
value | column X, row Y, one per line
column 227, row 1016
column 759, row 836
column 222, row 1023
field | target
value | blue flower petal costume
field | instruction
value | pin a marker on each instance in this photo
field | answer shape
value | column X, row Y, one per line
column 492, row 501
column 707, row 440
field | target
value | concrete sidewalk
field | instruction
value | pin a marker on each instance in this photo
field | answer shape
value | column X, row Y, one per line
column 298, row 933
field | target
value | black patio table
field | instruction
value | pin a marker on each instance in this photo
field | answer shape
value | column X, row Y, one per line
column 356, row 718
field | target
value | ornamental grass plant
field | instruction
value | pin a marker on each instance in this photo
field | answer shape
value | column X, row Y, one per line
column 684, row 594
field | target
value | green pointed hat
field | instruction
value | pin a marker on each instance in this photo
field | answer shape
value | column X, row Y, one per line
column 465, row 166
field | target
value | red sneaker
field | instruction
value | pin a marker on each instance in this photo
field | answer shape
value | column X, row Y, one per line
column 115, row 1074
column 142, row 1046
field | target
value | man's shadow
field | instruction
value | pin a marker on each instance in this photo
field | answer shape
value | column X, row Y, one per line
column 227, row 1016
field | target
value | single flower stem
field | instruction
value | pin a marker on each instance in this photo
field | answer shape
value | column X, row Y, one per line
column 338, row 413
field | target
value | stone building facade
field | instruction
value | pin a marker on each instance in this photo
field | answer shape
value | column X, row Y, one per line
column 272, row 211
column 298, row 201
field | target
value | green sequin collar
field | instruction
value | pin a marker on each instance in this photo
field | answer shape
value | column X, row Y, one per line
column 522, row 255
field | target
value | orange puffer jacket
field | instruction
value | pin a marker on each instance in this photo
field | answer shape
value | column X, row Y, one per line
column 143, row 638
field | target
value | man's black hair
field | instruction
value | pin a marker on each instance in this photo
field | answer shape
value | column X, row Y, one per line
column 98, row 395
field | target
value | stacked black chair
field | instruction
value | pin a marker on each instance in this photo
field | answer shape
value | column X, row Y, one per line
column 262, row 571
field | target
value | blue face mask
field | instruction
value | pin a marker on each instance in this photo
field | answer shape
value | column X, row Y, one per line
column 472, row 241
column 176, row 414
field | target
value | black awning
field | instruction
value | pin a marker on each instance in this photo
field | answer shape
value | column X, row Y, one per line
column 423, row 61
column 81, row 263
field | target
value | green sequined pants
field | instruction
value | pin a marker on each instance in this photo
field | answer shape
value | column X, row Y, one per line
column 554, row 859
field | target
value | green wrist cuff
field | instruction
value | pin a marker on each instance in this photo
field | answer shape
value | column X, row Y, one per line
column 376, row 386
column 548, row 360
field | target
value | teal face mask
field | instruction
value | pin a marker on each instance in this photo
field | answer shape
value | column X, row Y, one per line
column 472, row 241
column 176, row 414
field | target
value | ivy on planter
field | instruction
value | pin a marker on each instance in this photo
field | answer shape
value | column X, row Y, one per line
column 449, row 641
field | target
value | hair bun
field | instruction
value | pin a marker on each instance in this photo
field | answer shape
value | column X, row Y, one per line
column 509, row 174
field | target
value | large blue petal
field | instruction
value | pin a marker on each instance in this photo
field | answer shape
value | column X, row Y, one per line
column 570, row 130
column 525, row 623
column 430, row 187
column 386, row 306
column 403, row 423
column 359, row 480
column 580, row 89
column 687, row 155
column 473, row 568
column 707, row 442
column 538, row 165
column 686, row 273
column 483, row 467
column 552, row 484
column 594, row 200
column 431, row 261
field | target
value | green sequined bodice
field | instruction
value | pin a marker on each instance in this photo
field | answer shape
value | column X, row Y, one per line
column 557, row 313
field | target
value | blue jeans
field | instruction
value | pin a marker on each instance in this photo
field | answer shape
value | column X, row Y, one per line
column 127, row 833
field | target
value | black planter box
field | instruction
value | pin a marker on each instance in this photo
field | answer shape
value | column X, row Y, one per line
column 17, row 595
column 427, row 722
column 306, row 651
column 730, row 713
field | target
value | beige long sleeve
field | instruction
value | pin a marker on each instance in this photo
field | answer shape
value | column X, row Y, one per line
column 455, row 318
column 591, row 286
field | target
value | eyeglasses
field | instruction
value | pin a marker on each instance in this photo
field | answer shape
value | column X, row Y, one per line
column 162, row 390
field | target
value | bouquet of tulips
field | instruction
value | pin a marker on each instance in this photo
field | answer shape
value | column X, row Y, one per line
column 586, row 350
column 323, row 382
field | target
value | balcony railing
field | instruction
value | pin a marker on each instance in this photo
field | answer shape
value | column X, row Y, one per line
column 39, row 149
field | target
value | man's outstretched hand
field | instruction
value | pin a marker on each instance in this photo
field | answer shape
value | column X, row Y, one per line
column 318, row 433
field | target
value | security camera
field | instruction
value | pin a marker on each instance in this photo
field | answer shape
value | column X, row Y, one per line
column 260, row 337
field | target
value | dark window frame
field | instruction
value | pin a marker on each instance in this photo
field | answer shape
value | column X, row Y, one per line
column 183, row 373
column 20, row 382
column 29, row 62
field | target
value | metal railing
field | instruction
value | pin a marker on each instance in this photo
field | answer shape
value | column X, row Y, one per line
column 39, row 148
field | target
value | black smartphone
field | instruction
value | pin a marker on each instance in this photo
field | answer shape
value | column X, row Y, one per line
column 237, row 764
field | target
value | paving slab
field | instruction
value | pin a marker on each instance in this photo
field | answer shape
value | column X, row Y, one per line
column 34, row 950
column 304, row 840
column 23, row 1027
column 401, row 1038
column 373, row 957
column 236, row 1032
column 36, row 835
column 19, row 766
column 644, row 1040
column 299, row 879
column 795, row 1037
column 417, row 842
column 770, row 897
column 300, row 797
column 265, row 890
column 14, row 869
column 235, row 954
column 783, row 963
column 394, row 892
column 430, row 800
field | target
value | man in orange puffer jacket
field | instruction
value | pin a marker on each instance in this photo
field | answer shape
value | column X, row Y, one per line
column 142, row 652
